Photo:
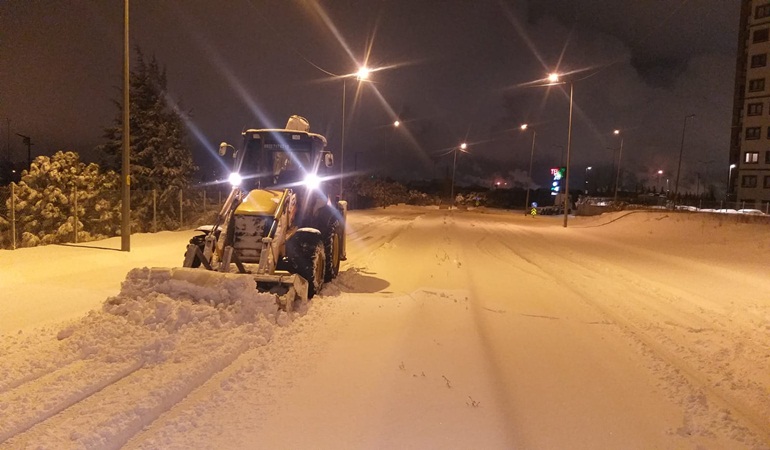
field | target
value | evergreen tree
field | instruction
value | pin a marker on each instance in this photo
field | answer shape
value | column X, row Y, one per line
column 159, row 158
column 47, row 196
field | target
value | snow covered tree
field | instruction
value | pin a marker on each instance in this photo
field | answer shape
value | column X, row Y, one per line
column 47, row 196
column 160, row 159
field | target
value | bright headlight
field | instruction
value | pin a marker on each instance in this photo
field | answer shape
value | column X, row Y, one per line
column 312, row 181
column 235, row 179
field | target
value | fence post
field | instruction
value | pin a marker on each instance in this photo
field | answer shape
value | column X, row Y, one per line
column 180, row 208
column 13, row 216
column 75, row 201
column 154, row 211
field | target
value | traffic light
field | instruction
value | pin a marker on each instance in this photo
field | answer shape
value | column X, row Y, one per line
column 558, row 174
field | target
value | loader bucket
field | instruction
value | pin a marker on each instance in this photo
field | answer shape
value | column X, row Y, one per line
column 220, row 288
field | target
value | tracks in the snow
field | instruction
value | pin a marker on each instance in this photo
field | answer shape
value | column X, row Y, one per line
column 639, row 305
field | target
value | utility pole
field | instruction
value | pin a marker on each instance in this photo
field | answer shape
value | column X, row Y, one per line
column 28, row 142
column 125, row 211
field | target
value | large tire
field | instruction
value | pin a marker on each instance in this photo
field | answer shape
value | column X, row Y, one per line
column 200, row 241
column 306, row 256
column 333, row 248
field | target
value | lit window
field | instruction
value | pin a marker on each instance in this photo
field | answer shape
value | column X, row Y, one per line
column 759, row 60
column 754, row 109
column 762, row 11
column 753, row 133
column 761, row 35
column 749, row 181
column 756, row 85
column 751, row 157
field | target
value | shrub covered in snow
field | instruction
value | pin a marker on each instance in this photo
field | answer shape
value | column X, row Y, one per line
column 59, row 193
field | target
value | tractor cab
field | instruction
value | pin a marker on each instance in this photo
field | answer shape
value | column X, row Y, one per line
column 281, row 158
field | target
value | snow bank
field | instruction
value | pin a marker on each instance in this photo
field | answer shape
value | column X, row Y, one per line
column 97, row 381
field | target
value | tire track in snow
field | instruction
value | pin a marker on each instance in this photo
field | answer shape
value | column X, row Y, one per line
column 726, row 401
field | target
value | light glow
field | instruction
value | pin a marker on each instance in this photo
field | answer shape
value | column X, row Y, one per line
column 524, row 126
column 312, row 181
column 235, row 179
column 553, row 77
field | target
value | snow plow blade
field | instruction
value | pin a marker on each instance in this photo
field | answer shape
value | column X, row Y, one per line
column 290, row 290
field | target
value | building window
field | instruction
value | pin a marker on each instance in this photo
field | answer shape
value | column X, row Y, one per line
column 754, row 109
column 767, row 157
column 756, row 85
column 753, row 133
column 751, row 157
column 749, row 181
column 761, row 35
column 762, row 11
column 759, row 60
column 767, row 182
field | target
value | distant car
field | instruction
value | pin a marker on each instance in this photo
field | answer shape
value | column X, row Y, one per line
column 753, row 212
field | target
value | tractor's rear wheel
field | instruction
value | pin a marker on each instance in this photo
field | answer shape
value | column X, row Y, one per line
column 307, row 258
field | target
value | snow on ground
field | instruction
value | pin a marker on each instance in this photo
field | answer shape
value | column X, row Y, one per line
column 445, row 329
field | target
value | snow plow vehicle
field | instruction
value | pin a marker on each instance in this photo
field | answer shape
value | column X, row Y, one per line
column 279, row 224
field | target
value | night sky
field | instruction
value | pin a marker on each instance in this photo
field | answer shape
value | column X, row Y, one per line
column 453, row 70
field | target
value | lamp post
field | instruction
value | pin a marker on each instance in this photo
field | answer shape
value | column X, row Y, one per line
column 463, row 146
column 125, row 171
column 660, row 172
column 529, row 173
column 729, row 183
column 681, row 150
column 620, row 156
column 553, row 78
column 586, row 178
column 362, row 74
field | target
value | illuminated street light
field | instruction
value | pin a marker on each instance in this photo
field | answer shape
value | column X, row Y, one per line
column 556, row 78
column 729, row 183
column 586, row 177
column 681, row 150
column 529, row 173
column 660, row 172
column 462, row 147
column 396, row 124
column 620, row 155
column 361, row 75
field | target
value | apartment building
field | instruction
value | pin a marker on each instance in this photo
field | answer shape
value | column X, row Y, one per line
column 749, row 171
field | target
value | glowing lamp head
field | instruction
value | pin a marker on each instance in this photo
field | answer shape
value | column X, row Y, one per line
column 553, row 77
column 616, row 132
column 312, row 181
column 463, row 146
column 524, row 126
column 396, row 124
column 235, row 179
column 363, row 73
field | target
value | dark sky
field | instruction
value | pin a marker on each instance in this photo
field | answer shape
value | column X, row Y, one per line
column 452, row 69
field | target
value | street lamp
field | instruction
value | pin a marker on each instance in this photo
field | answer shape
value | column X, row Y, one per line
column 462, row 147
column 396, row 124
column 729, row 183
column 529, row 174
column 620, row 155
column 681, row 149
column 660, row 172
column 586, row 177
column 553, row 78
column 361, row 75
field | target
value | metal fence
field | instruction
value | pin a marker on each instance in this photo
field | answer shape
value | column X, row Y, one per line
column 72, row 216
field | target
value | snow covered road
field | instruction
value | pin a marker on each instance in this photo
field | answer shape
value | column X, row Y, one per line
column 462, row 329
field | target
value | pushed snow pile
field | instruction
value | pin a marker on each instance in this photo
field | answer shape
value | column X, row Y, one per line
column 105, row 377
column 174, row 297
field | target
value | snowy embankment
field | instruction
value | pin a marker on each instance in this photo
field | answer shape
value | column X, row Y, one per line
column 113, row 372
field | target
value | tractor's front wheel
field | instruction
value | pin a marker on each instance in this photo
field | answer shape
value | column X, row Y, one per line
column 332, row 246
column 306, row 257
